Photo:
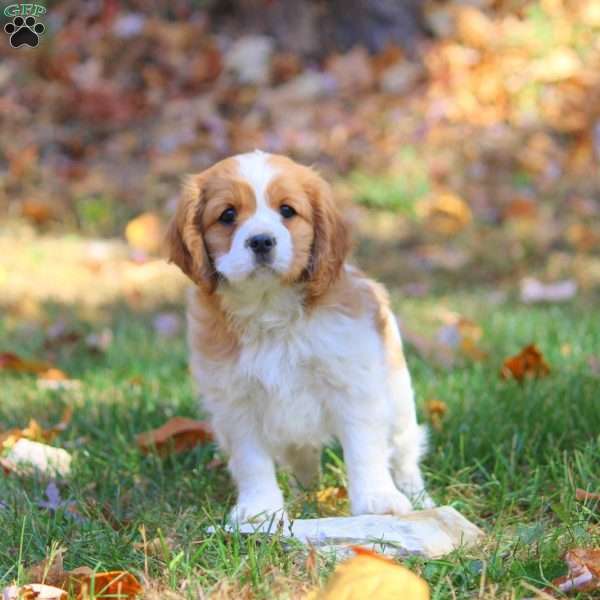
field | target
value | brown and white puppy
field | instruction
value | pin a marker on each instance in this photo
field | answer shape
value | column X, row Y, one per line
column 291, row 347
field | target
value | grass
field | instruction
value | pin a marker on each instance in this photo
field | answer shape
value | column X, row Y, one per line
column 509, row 457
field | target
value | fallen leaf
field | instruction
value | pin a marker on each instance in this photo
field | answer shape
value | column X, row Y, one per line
column 177, row 434
column 584, row 571
column 112, row 584
column 145, row 233
column 35, row 432
column 583, row 495
column 38, row 212
column 371, row 575
column 83, row 583
column 521, row 208
column 26, row 455
column 54, row 374
column 49, row 571
column 331, row 500
column 436, row 411
column 445, row 213
column 529, row 363
column 34, row 591
column 13, row 362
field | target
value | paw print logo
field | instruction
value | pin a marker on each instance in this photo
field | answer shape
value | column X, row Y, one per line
column 24, row 32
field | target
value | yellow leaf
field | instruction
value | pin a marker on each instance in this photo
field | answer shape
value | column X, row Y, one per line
column 445, row 213
column 332, row 500
column 370, row 575
column 145, row 232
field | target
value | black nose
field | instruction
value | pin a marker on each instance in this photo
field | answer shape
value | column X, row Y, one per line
column 262, row 243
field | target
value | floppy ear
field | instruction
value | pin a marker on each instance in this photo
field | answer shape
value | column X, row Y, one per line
column 184, row 238
column 331, row 241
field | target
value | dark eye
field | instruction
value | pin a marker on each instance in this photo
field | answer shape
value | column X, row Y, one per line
column 227, row 216
column 286, row 211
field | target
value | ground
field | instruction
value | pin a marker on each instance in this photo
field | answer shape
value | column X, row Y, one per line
column 508, row 455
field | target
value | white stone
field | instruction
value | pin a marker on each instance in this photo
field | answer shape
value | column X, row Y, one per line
column 430, row 533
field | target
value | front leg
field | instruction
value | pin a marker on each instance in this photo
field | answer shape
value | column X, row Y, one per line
column 253, row 470
column 371, row 488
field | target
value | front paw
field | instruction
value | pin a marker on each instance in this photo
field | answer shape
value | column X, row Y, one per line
column 385, row 502
column 258, row 510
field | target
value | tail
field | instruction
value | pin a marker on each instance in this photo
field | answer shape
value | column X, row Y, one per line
column 410, row 446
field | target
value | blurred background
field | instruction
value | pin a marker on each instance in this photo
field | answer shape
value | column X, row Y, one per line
column 462, row 137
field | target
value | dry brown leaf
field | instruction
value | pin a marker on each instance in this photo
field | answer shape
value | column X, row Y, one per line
column 49, row 571
column 584, row 571
column 177, row 434
column 529, row 363
column 436, row 411
column 371, row 575
column 145, row 233
column 583, row 495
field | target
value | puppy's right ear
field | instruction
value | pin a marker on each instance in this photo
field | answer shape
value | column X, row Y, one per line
column 185, row 242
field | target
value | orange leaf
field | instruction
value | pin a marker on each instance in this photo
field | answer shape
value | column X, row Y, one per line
column 112, row 584
column 177, row 434
column 9, row 361
column 54, row 375
column 584, row 571
column 582, row 495
column 436, row 411
column 529, row 363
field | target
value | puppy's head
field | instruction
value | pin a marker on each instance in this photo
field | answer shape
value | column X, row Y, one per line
column 258, row 215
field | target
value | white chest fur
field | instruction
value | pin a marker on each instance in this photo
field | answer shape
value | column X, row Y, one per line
column 293, row 371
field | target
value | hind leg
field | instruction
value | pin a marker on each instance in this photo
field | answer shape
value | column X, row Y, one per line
column 409, row 447
column 305, row 463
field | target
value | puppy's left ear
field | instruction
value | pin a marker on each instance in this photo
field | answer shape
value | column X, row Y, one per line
column 184, row 238
column 331, row 242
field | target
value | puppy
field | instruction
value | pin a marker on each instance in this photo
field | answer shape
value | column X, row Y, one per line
column 290, row 346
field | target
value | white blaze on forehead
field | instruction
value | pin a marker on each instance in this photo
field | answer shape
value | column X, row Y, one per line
column 239, row 262
column 254, row 167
